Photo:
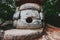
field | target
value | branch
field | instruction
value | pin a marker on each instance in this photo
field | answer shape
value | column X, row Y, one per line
column 6, row 23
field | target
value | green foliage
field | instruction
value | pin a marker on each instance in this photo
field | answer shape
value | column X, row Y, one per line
column 6, row 11
column 52, row 9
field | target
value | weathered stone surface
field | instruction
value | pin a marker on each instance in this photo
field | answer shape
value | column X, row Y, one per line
column 51, row 33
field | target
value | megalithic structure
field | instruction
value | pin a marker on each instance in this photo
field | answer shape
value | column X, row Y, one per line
column 29, row 14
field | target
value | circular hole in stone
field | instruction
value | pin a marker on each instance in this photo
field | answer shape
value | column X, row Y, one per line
column 29, row 20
